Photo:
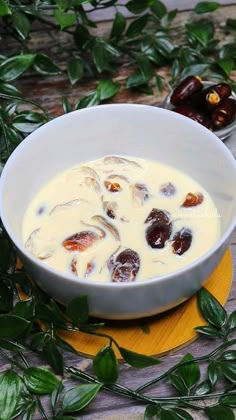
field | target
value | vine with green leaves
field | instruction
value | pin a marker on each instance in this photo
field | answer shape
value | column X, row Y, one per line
column 146, row 43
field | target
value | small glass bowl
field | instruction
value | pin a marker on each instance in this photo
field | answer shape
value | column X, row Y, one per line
column 223, row 133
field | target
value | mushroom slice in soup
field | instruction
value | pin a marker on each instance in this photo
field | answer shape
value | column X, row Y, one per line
column 64, row 206
column 140, row 193
column 119, row 177
column 125, row 267
column 192, row 200
column 90, row 172
column 117, row 160
column 37, row 246
column 92, row 183
column 108, row 225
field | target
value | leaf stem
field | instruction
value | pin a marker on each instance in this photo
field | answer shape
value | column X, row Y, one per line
column 27, row 101
column 196, row 359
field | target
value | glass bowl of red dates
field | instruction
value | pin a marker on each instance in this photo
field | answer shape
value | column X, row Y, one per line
column 211, row 104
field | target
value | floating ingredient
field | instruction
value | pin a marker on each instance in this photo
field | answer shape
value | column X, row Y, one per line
column 80, row 241
column 157, row 234
column 64, row 206
column 108, row 225
column 158, row 216
column 113, row 187
column 92, row 183
column 125, row 267
column 168, row 189
column 182, row 241
column 140, row 194
column 192, row 200
column 110, row 208
column 40, row 250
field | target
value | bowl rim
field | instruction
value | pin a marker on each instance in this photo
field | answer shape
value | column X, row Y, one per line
column 98, row 283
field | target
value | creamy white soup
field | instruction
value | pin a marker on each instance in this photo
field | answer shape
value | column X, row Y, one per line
column 120, row 219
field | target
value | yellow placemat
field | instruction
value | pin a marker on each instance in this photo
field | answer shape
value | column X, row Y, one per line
column 161, row 333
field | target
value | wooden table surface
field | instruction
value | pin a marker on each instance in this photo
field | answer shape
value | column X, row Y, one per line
column 48, row 92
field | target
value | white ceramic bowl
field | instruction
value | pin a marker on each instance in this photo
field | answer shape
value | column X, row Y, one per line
column 125, row 129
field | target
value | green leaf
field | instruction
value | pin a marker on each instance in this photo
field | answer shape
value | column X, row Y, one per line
column 210, row 332
column 226, row 65
column 228, row 400
column 137, row 26
column 145, row 66
column 6, row 298
column 200, row 32
column 66, row 105
column 178, row 383
column 27, row 123
column 229, row 355
column 203, row 388
column 219, row 413
column 79, row 397
column 137, row 360
column 44, row 65
column 100, row 56
column 228, row 370
column 206, row 7
column 4, row 9
column 105, row 365
column 78, row 309
column 106, row 89
column 75, row 69
column 5, row 253
column 13, row 67
column 55, row 396
column 40, row 381
column 174, row 414
column 25, row 309
column 118, row 26
column 81, row 36
column 64, row 19
column 53, row 356
column 136, row 6
column 11, row 345
column 89, row 100
column 231, row 324
column 231, row 23
column 9, row 89
column 12, row 326
column 21, row 24
column 136, row 79
column 190, row 373
column 211, row 310
column 213, row 372
column 158, row 8
column 10, row 393
column 151, row 411
column 197, row 69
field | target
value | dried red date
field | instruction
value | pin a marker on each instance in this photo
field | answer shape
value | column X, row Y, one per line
column 157, row 234
column 80, row 241
column 112, row 186
column 182, row 241
column 192, row 200
column 224, row 113
column 158, row 216
column 194, row 114
column 125, row 267
column 168, row 189
column 210, row 97
column 185, row 89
